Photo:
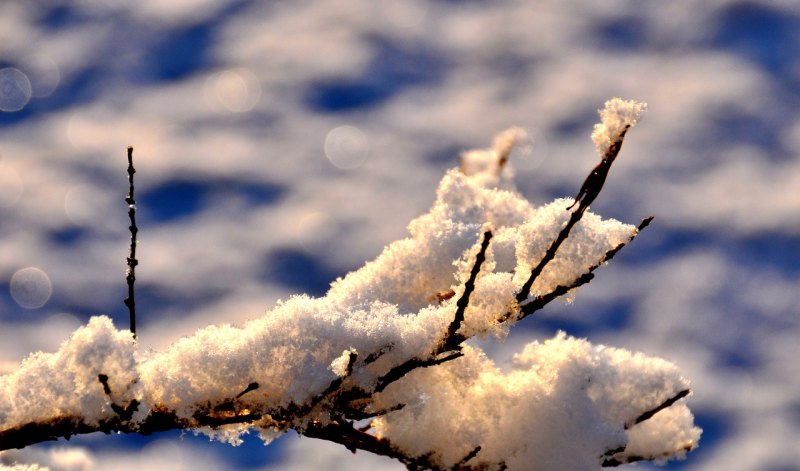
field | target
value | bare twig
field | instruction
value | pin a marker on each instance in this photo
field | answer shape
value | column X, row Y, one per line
column 539, row 302
column 130, row 274
column 614, row 461
column 408, row 366
column 589, row 190
column 594, row 181
column 612, row 458
column 453, row 338
column 472, row 454
column 650, row 413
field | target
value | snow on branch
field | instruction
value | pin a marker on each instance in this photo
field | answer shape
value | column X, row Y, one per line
column 386, row 345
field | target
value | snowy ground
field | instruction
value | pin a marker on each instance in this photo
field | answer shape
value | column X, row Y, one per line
column 250, row 188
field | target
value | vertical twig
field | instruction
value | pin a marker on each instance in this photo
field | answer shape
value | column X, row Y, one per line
column 130, row 273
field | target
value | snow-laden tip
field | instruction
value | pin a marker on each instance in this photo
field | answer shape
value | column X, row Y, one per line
column 615, row 118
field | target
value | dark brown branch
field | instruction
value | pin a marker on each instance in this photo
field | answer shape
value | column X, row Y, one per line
column 159, row 420
column 250, row 387
column 130, row 275
column 334, row 386
column 373, row 357
column 125, row 413
column 104, row 381
column 589, row 190
column 408, row 366
column 470, row 455
column 669, row 402
column 537, row 303
column 612, row 462
column 540, row 301
column 353, row 439
column 594, row 181
column 453, row 338
column 609, row 459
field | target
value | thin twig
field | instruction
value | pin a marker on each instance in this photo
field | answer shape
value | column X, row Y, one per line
column 453, row 338
column 539, row 302
column 469, row 456
column 589, row 190
column 130, row 273
column 410, row 365
column 669, row 402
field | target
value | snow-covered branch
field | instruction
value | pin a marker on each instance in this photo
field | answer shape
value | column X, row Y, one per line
column 386, row 345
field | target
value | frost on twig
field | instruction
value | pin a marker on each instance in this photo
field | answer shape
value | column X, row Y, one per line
column 387, row 345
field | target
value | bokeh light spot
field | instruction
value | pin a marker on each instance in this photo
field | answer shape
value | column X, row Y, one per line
column 10, row 185
column 529, row 154
column 15, row 89
column 43, row 74
column 82, row 205
column 238, row 90
column 30, row 287
column 347, row 147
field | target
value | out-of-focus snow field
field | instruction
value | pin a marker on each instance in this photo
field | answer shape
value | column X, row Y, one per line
column 281, row 144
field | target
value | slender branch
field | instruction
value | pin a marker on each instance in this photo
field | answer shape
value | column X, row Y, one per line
column 610, row 458
column 130, row 274
column 250, row 387
column 470, row 455
column 354, row 439
column 410, row 365
column 647, row 415
column 589, row 190
column 539, row 302
column 614, row 461
column 525, row 291
column 453, row 338
column 594, row 181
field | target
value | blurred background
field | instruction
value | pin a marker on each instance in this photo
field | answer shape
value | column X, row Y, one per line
column 281, row 144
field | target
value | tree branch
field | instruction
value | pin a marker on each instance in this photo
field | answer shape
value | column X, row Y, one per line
column 453, row 338
column 130, row 274
column 539, row 302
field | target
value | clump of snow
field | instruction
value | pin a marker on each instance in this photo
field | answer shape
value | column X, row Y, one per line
column 340, row 365
column 555, row 408
column 565, row 405
column 488, row 166
column 65, row 383
column 615, row 118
